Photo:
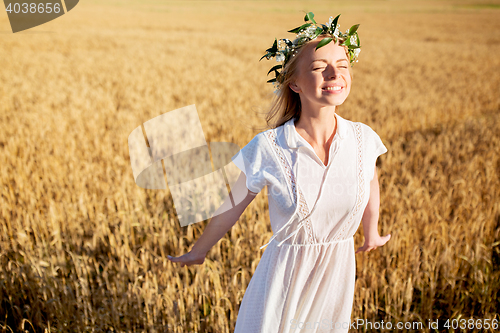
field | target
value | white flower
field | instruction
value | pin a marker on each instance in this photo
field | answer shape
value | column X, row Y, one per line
column 356, row 52
column 280, row 45
column 336, row 32
column 353, row 40
column 280, row 57
column 308, row 32
column 330, row 21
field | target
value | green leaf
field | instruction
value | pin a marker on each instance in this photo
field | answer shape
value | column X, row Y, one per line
column 353, row 29
column 275, row 46
column 334, row 23
column 264, row 56
column 296, row 30
column 272, row 80
column 352, row 47
column 323, row 42
column 309, row 17
column 275, row 68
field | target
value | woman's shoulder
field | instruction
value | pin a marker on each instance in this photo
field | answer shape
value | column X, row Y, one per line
column 360, row 130
column 260, row 138
column 260, row 141
column 266, row 137
column 371, row 139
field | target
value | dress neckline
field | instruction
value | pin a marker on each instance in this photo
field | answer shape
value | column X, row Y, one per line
column 302, row 141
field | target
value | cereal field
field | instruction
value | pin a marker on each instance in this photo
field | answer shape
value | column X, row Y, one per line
column 83, row 248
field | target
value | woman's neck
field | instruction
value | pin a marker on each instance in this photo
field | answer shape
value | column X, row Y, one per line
column 317, row 128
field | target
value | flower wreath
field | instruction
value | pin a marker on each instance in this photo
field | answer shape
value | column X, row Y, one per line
column 284, row 49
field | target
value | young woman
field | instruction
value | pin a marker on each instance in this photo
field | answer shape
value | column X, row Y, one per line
column 322, row 182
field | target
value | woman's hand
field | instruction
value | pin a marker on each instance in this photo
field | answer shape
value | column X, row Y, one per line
column 373, row 243
column 188, row 259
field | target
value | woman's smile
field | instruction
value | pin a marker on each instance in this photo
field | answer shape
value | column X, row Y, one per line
column 336, row 89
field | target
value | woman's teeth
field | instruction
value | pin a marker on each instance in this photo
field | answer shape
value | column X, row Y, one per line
column 333, row 88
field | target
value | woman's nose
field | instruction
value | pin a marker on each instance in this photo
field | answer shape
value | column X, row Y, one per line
column 332, row 73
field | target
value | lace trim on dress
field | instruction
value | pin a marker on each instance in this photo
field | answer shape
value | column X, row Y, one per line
column 361, row 182
column 291, row 181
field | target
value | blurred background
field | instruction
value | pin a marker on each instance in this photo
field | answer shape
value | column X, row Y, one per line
column 83, row 248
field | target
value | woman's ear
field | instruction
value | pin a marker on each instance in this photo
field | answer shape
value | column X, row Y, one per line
column 294, row 87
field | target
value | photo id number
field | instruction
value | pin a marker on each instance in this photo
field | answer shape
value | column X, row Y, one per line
column 33, row 8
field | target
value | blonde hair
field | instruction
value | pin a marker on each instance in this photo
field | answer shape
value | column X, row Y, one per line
column 286, row 104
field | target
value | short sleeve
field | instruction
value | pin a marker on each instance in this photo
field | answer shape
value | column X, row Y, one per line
column 251, row 160
column 374, row 147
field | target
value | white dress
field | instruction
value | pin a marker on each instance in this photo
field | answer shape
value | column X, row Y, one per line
column 305, row 279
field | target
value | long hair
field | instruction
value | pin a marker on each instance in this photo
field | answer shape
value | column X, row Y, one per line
column 286, row 103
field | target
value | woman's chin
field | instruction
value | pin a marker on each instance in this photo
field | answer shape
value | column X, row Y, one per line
column 334, row 101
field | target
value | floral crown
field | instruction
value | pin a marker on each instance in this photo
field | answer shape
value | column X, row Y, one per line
column 284, row 49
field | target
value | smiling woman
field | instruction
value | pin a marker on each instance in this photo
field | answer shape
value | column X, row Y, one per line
column 322, row 182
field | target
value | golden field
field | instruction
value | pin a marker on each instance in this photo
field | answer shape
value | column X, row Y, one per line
column 83, row 248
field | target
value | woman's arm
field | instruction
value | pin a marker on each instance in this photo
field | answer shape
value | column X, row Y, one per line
column 219, row 224
column 370, row 219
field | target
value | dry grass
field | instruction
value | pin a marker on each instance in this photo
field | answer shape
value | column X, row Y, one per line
column 82, row 248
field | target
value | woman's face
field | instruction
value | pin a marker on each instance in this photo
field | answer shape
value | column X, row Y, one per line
column 322, row 77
